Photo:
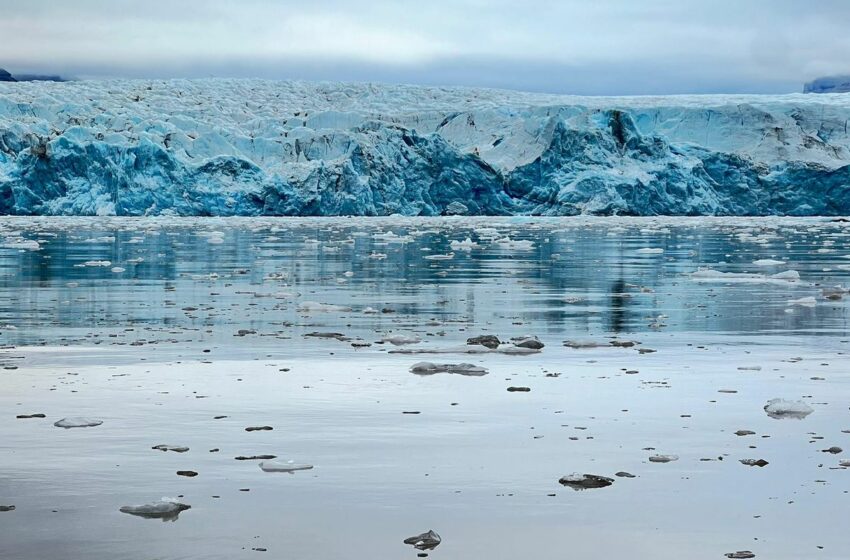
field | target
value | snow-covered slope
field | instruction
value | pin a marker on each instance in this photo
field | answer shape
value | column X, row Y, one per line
column 239, row 147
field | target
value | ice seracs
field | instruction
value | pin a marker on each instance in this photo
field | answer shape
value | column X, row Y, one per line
column 113, row 147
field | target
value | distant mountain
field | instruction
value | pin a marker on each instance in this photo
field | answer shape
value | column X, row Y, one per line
column 829, row 84
column 7, row 77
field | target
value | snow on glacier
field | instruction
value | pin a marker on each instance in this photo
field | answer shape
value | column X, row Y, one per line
column 248, row 147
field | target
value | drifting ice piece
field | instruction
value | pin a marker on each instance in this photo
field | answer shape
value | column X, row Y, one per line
column 77, row 422
column 166, row 509
column 780, row 408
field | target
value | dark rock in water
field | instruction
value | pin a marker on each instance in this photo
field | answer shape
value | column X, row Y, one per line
column 740, row 554
column 7, row 508
column 425, row 541
column 624, row 474
column 255, row 457
column 528, row 342
column 488, row 340
column 833, row 450
column 754, row 462
column 190, row 474
column 23, row 416
column 745, row 433
column 519, row 389
column 586, row 481
column 6, row 77
column 258, row 428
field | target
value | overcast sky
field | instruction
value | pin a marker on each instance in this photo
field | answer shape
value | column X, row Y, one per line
column 570, row 46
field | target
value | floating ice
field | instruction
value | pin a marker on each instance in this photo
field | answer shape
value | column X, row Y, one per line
column 175, row 448
column 166, row 509
column 711, row 275
column 663, row 458
column 780, row 408
column 768, row 262
column 430, row 368
column 578, row 481
column 650, row 251
column 465, row 245
column 468, row 349
column 316, row 307
column 515, row 244
column 425, row 541
column 20, row 243
column 287, row 467
column 401, row 339
column 77, row 422
column 809, row 301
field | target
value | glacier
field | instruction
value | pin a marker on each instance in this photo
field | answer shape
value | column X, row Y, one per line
column 247, row 147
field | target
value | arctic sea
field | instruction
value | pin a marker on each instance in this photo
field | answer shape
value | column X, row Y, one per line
column 659, row 343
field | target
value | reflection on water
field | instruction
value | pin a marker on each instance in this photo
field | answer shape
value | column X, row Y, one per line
column 187, row 339
column 578, row 277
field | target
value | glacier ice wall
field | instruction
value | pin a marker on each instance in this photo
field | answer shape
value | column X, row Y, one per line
column 246, row 147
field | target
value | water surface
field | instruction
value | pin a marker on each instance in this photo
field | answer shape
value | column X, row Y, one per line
column 157, row 326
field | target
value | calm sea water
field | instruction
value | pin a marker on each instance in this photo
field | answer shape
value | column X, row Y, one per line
column 187, row 331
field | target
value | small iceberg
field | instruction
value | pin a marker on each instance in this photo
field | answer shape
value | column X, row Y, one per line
column 166, row 509
column 578, row 481
column 77, row 422
column 287, row 467
column 316, row 307
column 175, row 448
column 430, row 368
column 425, row 541
column 663, row 458
column 780, row 409
column 400, row 339
column 711, row 275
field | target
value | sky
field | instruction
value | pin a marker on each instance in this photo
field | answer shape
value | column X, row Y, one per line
column 591, row 47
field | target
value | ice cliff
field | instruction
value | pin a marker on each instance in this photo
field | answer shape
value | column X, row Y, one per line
column 238, row 147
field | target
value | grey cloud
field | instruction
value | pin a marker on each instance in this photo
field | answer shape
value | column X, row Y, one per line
column 601, row 47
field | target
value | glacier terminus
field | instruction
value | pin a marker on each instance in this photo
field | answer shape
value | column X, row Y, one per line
column 248, row 147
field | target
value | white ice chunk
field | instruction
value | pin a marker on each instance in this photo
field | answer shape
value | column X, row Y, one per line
column 77, row 422
column 781, row 408
column 287, row 467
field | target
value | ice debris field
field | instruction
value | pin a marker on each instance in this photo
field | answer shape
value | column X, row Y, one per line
column 242, row 147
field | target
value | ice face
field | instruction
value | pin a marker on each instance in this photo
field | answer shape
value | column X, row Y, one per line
column 243, row 147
